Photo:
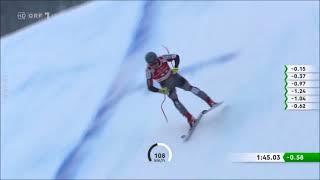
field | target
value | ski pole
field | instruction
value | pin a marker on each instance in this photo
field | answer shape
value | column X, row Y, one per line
column 164, row 99
column 166, row 49
column 167, row 52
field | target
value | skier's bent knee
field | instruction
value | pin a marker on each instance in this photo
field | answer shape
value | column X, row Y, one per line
column 195, row 90
column 175, row 101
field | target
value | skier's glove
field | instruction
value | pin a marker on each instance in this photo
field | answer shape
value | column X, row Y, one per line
column 164, row 90
column 175, row 70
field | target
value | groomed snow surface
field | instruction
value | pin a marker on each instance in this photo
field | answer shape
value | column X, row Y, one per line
column 74, row 102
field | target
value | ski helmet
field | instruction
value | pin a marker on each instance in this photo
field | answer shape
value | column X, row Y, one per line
column 151, row 57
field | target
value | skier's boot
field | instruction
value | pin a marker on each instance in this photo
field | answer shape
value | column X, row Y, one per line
column 190, row 118
column 210, row 102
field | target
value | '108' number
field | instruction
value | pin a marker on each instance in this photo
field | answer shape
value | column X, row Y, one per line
column 160, row 155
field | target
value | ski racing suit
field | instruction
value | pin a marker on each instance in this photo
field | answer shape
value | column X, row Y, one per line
column 163, row 75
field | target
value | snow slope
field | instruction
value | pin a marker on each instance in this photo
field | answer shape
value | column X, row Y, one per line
column 74, row 102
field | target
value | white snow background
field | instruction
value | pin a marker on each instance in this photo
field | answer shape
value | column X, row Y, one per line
column 74, row 103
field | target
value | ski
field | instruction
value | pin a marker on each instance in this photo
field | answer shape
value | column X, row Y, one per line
column 187, row 136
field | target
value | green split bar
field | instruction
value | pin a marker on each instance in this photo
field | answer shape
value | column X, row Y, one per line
column 301, row 157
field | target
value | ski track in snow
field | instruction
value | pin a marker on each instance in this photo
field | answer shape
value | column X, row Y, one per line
column 104, row 112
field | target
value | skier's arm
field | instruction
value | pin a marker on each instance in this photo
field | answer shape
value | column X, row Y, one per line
column 150, row 82
column 151, row 87
column 173, row 57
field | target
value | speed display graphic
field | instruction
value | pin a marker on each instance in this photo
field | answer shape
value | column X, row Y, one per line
column 159, row 152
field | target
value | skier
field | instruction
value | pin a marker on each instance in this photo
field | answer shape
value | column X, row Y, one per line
column 159, row 70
